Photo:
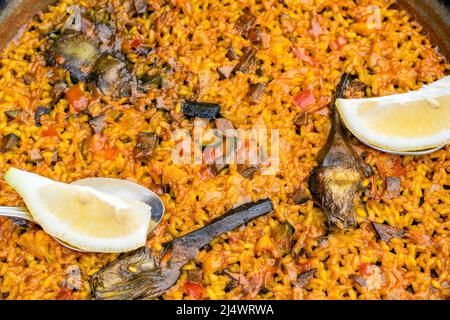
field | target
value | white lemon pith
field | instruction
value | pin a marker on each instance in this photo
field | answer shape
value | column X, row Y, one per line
column 412, row 121
column 82, row 216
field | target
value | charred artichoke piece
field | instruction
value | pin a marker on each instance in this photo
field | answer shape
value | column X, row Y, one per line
column 247, row 170
column 112, row 76
column 282, row 238
column 76, row 53
column 204, row 110
column 13, row 114
column 245, row 61
column 40, row 112
column 98, row 123
column 256, row 92
column 145, row 145
column 140, row 6
column 386, row 232
column 336, row 181
column 304, row 278
column 125, row 277
column 142, row 275
column 9, row 142
column 300, row 195
column 244, row 23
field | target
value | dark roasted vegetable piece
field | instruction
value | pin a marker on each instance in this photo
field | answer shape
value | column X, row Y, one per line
column 301, row 119
column 245, row 61
column 304, row 278
column 230, row 285
column 282, row 237
column 140, row 6
column 259, row 72
column 35, row 156
column 76, row 53
column 234, row 281
column 300, row 195
column 336, row 181
column 145, row 145
column 54, row 158
column 97, row 123
column 104, row 32
column 58, row 91
column 358, row 279
column 13, row 114
column 150, row 276
column 27, row 79
column 84, row 148
column 143, row 50
column 224, row 72
column 355, row 90
column 152, row 79
column 112, row 77
column 195, row 275
column 231, row 54
column 256, row 92
column 244, row 23
column 386, row 232
column 247, row 170
column 40, row 112
column 393, row 185
column 217, row 168
column 200, row 109
column 254, row 35
column 9, row 142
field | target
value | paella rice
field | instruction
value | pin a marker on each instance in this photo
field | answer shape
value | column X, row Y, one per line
column 305, row 45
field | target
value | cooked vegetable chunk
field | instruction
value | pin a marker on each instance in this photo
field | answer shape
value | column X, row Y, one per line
column 200, row 109
column 76, row 53
column 145, row 145
column 112, row 77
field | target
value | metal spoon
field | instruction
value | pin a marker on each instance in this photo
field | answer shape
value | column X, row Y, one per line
column 116, row 187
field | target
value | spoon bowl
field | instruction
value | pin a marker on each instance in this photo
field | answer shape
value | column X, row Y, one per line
column 117, row 187
column 406, row 153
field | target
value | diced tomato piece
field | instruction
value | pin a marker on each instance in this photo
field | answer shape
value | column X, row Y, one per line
column 304, row 100
column 193, row 289
column 109, row 153
column 365, row 270
column 76, row 98
column 99, row 145
column 135, row 43
column 50, row 132
column 64, row 294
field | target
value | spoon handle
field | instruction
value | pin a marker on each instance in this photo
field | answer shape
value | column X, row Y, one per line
column 16, row 212
column 229, row 221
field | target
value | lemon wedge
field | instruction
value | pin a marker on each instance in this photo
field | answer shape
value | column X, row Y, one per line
column 82, row 216
column 412, row 121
